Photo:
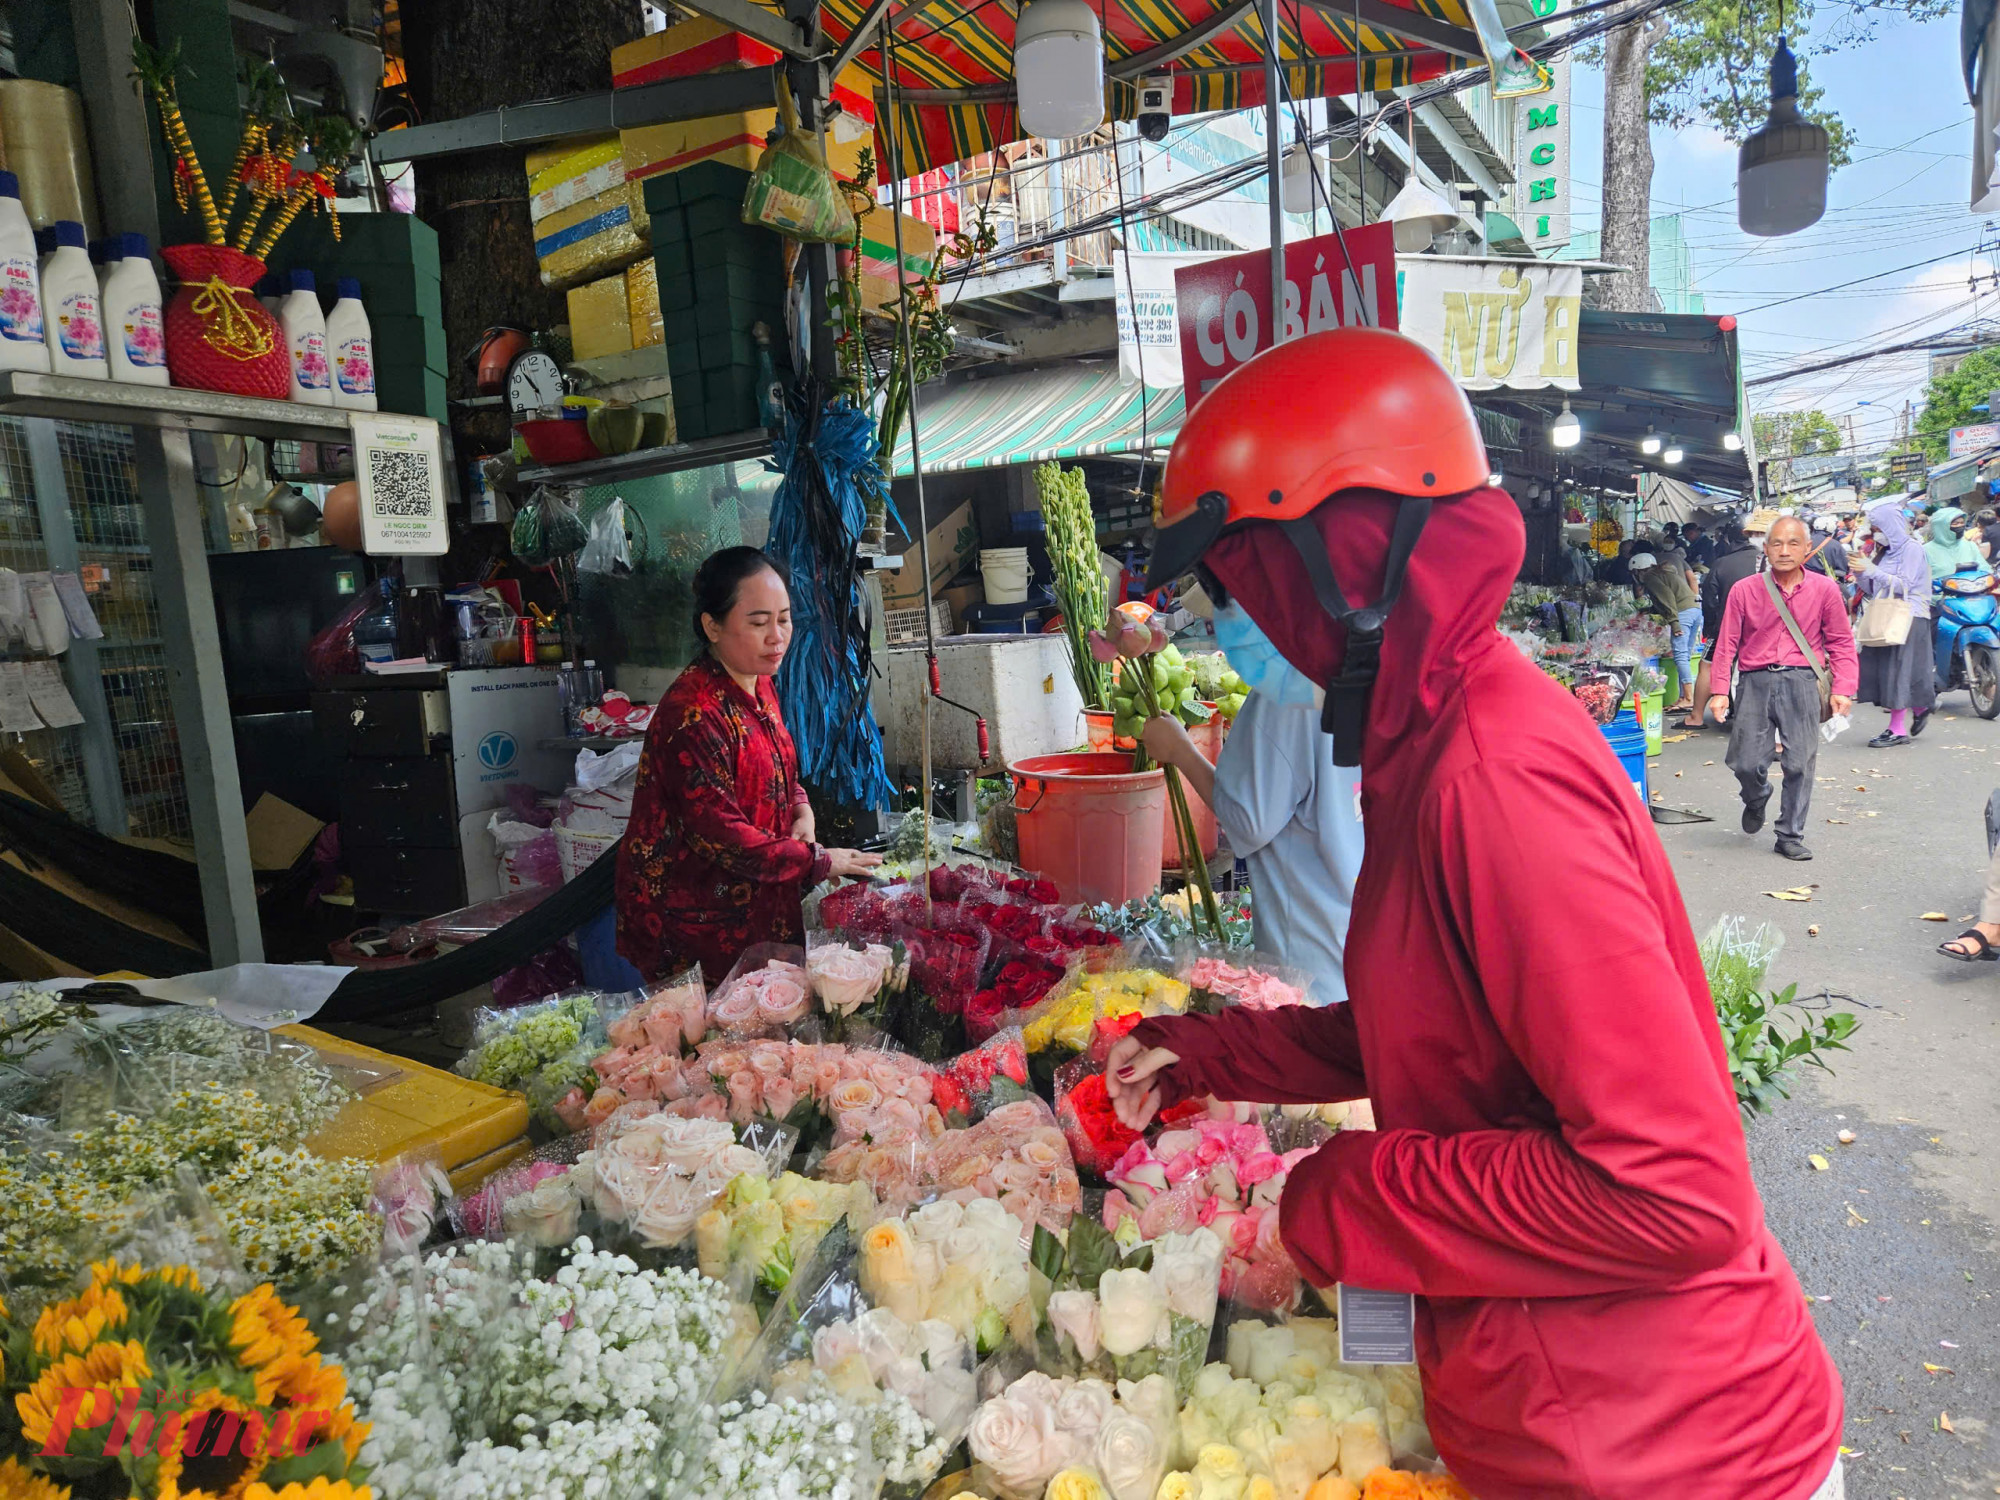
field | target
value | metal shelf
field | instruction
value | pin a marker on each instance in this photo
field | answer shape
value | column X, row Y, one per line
column 646, row 462
column 24, row 393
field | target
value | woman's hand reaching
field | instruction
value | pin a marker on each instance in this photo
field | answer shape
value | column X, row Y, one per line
column 845, row 862
column 1129, row 1080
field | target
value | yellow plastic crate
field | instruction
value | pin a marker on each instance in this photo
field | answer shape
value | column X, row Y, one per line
column 424, row 1107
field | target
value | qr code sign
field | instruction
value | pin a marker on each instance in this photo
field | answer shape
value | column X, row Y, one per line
column 402, row 482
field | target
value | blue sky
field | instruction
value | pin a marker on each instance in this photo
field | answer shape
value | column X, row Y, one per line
column 1902, row 201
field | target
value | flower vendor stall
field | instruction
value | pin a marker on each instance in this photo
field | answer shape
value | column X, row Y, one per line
column 857, row 1221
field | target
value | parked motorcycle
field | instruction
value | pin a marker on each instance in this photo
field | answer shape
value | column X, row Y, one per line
column 1965, row 635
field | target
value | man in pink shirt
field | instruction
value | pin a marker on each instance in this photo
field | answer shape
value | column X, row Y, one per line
column 1777, row 700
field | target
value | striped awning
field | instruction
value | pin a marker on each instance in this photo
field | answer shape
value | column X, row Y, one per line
column 957, row 60
column 1074, row 412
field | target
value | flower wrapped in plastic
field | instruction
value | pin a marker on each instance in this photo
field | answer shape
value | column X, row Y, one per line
column 1097, row 1137
column 759, row 1231
column 671, row 1015
column 660, row 1172
column 964, row 1264
column 229, row 1392
column 836, row 1398
column 980, row 1080
column 1016, row 988
column 1045, row 1436
column 544, row 1049
column 846, row 977
column 480, row 1375
column 1222, row 1174
column 1017, row 1154
column 1248, row 980
column 765, row 992
column 1128, row 1308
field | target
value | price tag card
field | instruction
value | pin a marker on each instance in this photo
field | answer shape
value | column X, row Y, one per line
column 399, row 468
column 1377, row 1328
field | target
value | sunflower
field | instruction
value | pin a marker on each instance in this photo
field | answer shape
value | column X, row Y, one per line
column 73, row 1326
column 173, row 1463
column 319, row 1489
column 18, row 1483
column 110, row 1368
column 270, row 1338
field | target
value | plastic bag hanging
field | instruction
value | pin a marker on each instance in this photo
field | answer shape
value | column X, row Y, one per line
column 793, row 190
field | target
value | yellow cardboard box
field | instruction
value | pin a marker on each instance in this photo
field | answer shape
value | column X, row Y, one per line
column 642, row 300
column 953, row 540
column 600, row 319
column 700, row 45
column 593, row 236
column 878, row 253
column 567, row 174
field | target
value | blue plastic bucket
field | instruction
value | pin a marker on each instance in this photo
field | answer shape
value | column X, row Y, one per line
column 1627, row 739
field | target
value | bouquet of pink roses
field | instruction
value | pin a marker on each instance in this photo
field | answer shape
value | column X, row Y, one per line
column 766, row 991
column 1219, row 1174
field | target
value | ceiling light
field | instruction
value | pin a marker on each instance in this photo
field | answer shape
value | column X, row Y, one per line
column 1650, row 444
column 1059, row 69
column 1673, row 455
column 1419, row 216
column 1495, row 479
column 1567, row 431
column 1298, row 179
column 1732, row 442
column 1781, row 167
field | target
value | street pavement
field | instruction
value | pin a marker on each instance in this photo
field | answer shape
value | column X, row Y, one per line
column 1895, row 1240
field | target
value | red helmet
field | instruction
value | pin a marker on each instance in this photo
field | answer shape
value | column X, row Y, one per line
column 1350, row 408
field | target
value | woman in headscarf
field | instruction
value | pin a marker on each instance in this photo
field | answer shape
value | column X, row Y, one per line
column 1899, row 678
column 1948, row 549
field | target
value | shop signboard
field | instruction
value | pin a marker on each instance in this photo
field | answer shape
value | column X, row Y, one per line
column 1495, row 323
column 1905, row 467
column 1541, row 202
column 1224, row 304
column 1974, row 439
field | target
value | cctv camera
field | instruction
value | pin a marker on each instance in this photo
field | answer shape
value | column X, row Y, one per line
column 1156, row 106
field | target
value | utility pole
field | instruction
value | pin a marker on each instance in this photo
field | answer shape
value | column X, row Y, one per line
column 1274, row 165
column 1849, row 420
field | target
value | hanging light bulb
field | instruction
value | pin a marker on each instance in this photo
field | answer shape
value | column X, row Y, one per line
column 1495, row 479
column 1567, row 431
column 1298, row 179
column 1732, row 442
column 1649, row 444
column 1781, row 166
column 1673, row 455
column 1419, row 216
column 1059, row 69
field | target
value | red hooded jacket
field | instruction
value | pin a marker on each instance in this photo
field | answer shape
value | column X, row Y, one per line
column 1560, row 1170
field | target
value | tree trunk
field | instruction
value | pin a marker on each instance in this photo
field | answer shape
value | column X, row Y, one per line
column 465, row 57
column 1628, row 171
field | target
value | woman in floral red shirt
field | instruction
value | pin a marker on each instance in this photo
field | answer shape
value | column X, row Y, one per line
column 720, row 847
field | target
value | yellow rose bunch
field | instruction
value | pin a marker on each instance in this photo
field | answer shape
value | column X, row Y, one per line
column 1068, row 1018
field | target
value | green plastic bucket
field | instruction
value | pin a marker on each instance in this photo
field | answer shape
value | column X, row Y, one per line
column 1652, row 712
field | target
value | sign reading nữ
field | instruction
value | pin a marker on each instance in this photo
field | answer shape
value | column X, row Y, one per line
column 1342, row 280
column 1496, row 323
column 1541, row 200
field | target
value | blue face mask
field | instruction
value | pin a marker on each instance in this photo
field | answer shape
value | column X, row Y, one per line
column 1253, row 658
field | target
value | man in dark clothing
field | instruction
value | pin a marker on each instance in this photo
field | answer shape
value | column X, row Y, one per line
column 1778, row 699
column 1989, row 532
column 1700, row 546
column 1827, row 555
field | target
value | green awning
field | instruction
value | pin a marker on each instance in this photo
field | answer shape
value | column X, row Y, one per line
column 1072, row 411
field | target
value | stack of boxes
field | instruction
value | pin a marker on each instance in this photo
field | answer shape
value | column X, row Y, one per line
column 718, row 278
column 395, row 258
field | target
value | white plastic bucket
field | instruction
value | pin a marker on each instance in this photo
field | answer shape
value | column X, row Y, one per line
column 1005, row 571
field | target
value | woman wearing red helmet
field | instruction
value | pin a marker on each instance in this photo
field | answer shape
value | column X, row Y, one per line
column 1560, row 1171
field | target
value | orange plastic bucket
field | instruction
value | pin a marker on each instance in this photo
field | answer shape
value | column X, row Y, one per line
column 1091, row 824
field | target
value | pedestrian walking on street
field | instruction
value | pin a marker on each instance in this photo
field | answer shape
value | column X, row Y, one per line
column 1784, row 629
column 1899, row 678
column 1980, row 943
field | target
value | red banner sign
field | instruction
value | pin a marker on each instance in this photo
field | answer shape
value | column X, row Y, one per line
column 1225, row 304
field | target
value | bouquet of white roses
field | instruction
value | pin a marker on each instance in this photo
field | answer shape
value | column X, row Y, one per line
column 960, row 1264
column 1127, row 1308
column 1075, row 1439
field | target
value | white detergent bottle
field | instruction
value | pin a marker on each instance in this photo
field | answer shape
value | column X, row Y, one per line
column 134, row 328
column 351, row 347
column 21, row 345
column 72, row 319
column 305, row 341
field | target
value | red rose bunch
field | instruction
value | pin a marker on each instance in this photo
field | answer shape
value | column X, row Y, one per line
column 1020, row 983
column 1097, row 1137
column 1043, row 892
column 946, row 966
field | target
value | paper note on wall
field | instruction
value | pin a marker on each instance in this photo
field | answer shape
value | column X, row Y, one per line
column 17, row 713
column 76, row 608
column 50, row 695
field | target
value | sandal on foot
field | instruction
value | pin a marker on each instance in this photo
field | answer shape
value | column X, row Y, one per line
column 1985, row 952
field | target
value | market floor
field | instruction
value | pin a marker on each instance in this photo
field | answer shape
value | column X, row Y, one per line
column 1895, row 1239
